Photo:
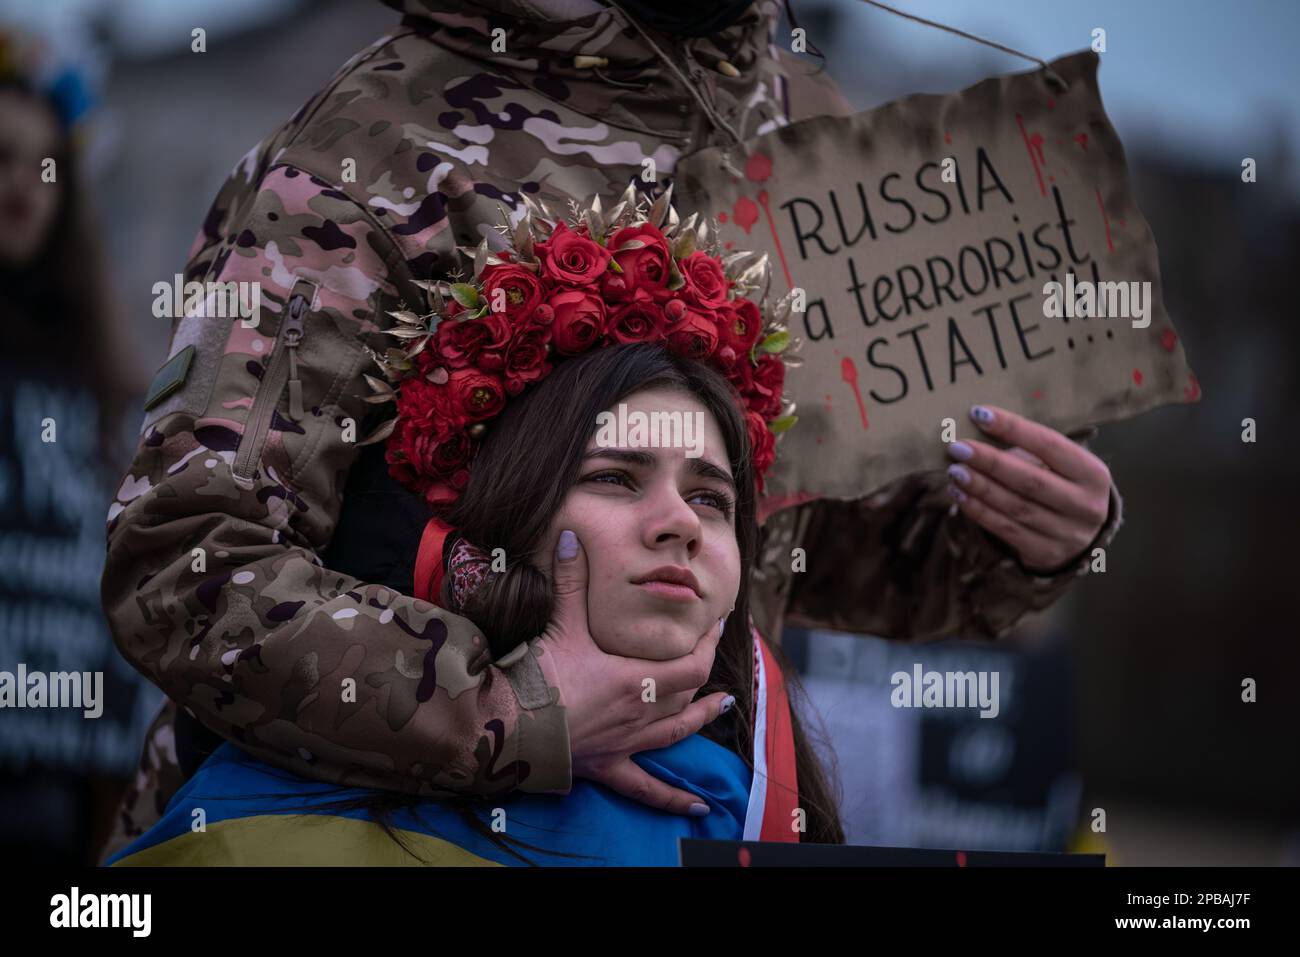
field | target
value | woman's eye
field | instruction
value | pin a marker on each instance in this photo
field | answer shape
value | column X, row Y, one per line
column 619, row 477
column 719, row 501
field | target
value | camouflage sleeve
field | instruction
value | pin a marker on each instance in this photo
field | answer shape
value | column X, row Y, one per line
column 899, row 565
column 213, row 588
column 809, row 88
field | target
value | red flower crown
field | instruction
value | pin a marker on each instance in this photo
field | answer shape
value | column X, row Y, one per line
column 558, row 289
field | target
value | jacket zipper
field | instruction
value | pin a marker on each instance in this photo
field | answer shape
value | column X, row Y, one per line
column 283, row 364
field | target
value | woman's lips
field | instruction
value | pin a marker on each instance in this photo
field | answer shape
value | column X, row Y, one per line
column 669, row 590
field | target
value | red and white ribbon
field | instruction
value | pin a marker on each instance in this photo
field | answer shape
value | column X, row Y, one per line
column 774, row 793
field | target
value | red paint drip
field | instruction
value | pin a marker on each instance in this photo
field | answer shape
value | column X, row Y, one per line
column 744, row 213
column 1029, row 148
column 1105, row 219
column 1192, row 392
column 758, row 168
column 1137, row 376
column 722, row 216
column 1167, row 340
column 780, row 250
column 849, row 373
column 1038, row 393
column 728, row 244
column 1082, row 140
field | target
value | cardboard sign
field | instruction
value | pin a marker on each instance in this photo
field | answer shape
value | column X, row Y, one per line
column 924, row 234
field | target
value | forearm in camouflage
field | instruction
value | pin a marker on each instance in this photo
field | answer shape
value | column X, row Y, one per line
column 900, row 566
column 212, row 585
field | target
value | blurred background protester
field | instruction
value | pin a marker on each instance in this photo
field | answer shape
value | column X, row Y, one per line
column 69, row 376
column 1126, row 695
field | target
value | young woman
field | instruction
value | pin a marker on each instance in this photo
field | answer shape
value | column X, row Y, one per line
column 542, row 469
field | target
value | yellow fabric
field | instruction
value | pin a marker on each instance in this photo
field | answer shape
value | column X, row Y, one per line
column 310, row 840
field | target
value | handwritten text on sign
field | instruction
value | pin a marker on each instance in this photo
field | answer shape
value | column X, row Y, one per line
column 981, row 246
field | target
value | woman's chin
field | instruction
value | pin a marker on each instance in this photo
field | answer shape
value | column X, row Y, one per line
column 660, row 641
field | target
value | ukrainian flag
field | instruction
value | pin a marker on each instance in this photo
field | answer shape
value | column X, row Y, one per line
column 258, row 815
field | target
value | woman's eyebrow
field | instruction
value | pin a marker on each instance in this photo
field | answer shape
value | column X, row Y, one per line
column 697, row 465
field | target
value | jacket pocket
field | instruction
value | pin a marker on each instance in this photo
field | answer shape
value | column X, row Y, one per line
column 281, row 370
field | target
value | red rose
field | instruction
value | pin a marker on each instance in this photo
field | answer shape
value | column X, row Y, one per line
column 762, row 445
column 580, row 321
column 640, row 320
column 472, row 396
column 695, row 337
column 706, row 285
column 433, row 459
column 768, row 383
column 421, row 409
column 520, row 291
column 741, row 375
column 526, row 358
column 570, row 258
column 458, row 343
column 449, row 458
column 740, row 323
column 647, row 266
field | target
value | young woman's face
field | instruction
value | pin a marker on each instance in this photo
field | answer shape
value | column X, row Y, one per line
column 640, row 509
column 29, row 133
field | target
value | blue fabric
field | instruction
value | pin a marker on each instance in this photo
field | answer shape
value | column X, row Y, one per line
column 591, row 820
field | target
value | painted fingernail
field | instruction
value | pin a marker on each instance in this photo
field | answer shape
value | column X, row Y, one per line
column 960, row 450
column 728, row 703
column 955, row 493
column 568, row 549
column 699, row 810
column 981, row 414
column 959, row 473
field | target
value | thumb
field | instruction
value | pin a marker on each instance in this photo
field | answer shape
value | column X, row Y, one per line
column 570, row 576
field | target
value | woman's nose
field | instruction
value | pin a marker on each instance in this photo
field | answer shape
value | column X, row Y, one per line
column 669, row 516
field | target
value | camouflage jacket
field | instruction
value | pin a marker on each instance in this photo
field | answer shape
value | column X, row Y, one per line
column 214, row 586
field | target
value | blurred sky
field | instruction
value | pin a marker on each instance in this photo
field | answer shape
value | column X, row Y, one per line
column 1211, row 79
column 1214, row 81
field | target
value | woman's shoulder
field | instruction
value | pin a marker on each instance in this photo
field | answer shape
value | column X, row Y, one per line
column 236, row 806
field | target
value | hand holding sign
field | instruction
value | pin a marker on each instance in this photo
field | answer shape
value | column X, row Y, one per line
column 980, row 246
column 1047, row 497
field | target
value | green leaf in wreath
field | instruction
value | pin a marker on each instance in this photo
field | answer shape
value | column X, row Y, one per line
column 465, row 294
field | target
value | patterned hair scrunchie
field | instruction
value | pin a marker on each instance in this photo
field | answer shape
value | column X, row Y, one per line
column 466, row 568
